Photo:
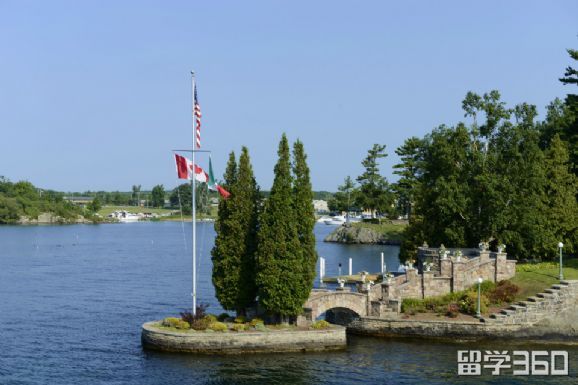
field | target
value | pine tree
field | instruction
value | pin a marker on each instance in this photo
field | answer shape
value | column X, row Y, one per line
column 408, row 170
column 226, row 274
column 279, row 255
column 343, row 199
column 374, row 190
column 244, row 202
column 305, row 216
column 562, row 185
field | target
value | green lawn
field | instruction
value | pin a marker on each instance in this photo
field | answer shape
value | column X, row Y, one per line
column 533, row 278
column 133, row 209
column 389, row 230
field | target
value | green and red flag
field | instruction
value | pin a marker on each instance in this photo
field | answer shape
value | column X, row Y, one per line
column 214, row 185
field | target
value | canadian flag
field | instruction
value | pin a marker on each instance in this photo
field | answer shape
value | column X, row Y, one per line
column 185, row 168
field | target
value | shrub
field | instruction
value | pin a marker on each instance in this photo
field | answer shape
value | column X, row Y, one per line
column 435, row 304
column 412, row 306
column 469, row 303
column 170, row 322
column 452, row 310
column 223, row 317
column 211, row 317
column 201, row 324
column 238, row 327
column 240, row 319
column 321, row 324
column 201, row 312
column 255, row 321
column 504, row 292
column 218, row 326
column 261, row 328
column 176, row 323
column 485, row 287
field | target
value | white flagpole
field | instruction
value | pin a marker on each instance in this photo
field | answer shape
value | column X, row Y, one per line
column 193, row 203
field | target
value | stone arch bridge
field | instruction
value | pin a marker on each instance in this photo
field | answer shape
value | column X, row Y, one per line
column 322, row 301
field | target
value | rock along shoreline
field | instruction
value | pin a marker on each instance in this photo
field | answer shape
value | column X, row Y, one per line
column 359, row 235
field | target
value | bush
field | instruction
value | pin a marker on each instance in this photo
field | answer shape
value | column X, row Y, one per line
column 469, row 303
column 256, row 321
column 211, row 317
column 321, row 324
column 412, row 306
column 486, row 287
column 200, row 314
column 201, row 324
column 261, row 328
column 176, row 323
column 218, row 326
column 504, row 292
column 452, row 310
column 435, row 304
column 240, row 319
column 239, row 327
column 223, row 317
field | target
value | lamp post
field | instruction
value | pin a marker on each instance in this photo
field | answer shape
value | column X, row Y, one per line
column 479, row 313
column 340, row 270
column 560, row 246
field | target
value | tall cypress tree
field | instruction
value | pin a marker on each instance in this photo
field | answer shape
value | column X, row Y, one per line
column 561, row 188
column 279, row 255
column 226, row 274
column 244, row 202
column 305, row 215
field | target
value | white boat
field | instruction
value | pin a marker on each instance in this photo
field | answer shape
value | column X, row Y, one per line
column 125, row 216
column 335, row 221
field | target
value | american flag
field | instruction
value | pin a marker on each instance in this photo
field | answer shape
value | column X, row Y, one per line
column 197, row 117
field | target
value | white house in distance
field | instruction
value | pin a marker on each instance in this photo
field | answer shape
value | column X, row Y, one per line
column 320, row 206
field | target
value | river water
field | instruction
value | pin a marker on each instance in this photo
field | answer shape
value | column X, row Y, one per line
column 73, row 298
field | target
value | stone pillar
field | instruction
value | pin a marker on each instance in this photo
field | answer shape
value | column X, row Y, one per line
column 446, row 267
column 484, row 256
column 458, row 279
column 411, row 274
column 427, row 284
column 501, row 269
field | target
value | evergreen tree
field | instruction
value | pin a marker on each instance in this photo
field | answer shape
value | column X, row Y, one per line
column 305, row 217
column 570, row 129
column 244, row 205
column 158, row 196
column 280, row 274
column 226, row 262
column 562, row 211
column 373, row 191
column 408, row 170
column 343, row 199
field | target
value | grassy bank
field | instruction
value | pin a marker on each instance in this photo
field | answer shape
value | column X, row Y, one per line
column 387, row 230
column 532, row 278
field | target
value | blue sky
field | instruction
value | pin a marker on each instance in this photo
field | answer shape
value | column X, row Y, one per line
column 95, row 94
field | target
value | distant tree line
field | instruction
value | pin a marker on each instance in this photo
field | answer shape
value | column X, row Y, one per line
column 24, row 199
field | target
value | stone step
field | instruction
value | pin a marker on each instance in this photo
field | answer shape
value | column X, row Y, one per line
column 558, row 287
column 497, row 316
column 527, row 304
column 569, row 282
column 551, row 291
column 535, row 299
column 507, row 312
column 545, row 295
column 517, row 307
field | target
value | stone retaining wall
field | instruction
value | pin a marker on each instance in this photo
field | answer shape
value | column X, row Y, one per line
column 243, row 342
column 548, row 304
column 552, row 314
